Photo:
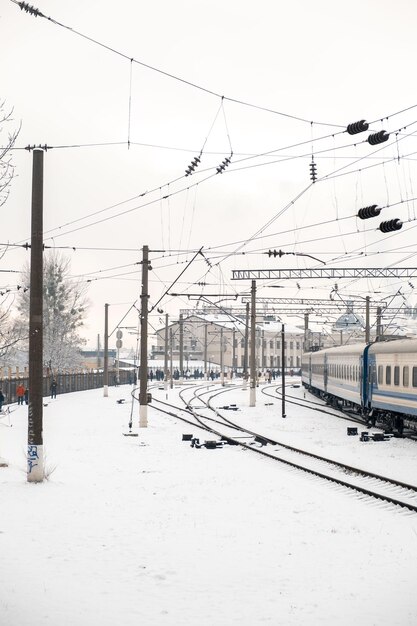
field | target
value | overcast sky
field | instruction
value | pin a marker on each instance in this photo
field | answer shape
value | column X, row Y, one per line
column 327, row 63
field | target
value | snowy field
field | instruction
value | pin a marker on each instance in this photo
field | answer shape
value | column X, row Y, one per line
column 150, row 531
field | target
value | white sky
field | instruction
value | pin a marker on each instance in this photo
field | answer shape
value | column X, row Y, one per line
column 324, row 62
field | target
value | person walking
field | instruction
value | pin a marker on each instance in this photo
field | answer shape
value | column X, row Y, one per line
column 53, row 388
column 2, row 399
column 27, row 395
column 20, row 393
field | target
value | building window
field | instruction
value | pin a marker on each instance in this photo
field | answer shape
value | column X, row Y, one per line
column 298, row 345
column 271, row 345
column 397, row 375
column 414, row 376
column 380, row 374
column 278, row 345
column 388, row 375
column 406, row 376
column 291, row 345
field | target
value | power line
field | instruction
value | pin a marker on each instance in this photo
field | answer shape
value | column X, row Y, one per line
column 24, row 6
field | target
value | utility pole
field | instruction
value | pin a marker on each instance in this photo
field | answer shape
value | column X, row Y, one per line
column 205, row 350
column 181, row 323
column 378, row 322
column 306, row 346
column 252, row 392
column 367, row 324
column 283, row 369
column 246, row 348
column 35, row 457
column 234, row 352
column 106, row 352
column 171, row 349
column 143, row 371
column 221, row 357
column 166, row 354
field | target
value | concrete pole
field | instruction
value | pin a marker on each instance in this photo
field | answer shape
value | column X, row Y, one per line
column 221, row 357
column 166, row 354
column 283, row 370
column 171, row 349
column 246, row 349
column 378, row 322
column 205, row 350
column 234, row 365
column 106, row 352
column 306, row 318
column 143, row 389
column 367, row 324
column 35, row 456
column 181, row 323
column 252, row 392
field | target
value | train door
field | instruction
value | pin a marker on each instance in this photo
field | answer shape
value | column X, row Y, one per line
column 372, row 378
column 366, row 375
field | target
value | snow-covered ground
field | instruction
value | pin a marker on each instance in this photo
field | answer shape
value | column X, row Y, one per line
column 150, row 531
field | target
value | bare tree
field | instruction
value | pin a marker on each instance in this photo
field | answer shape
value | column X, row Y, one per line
column 6, row 165
column 64, row 306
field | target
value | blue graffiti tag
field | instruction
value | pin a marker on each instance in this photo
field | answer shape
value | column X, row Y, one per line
column 32, row 456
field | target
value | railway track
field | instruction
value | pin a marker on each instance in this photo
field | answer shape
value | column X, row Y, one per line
column 382, row 488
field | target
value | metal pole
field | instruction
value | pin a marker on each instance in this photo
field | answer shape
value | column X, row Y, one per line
column 106, row 352
column 166, row 354
column 367, row 324
column 35, row 456
column 252, row 392
column 283, row 369
column 143, row 371
column 181, row 322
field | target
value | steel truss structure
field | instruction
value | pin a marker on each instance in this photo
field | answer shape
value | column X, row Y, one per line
column 334, row 273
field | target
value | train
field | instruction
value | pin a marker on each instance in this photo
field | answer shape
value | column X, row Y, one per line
column 376, row 380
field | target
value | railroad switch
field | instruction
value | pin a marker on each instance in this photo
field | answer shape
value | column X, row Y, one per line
column 262, row 440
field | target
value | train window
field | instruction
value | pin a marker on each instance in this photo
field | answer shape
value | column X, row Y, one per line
column 380, row 374
column 414, row 376
column 406, row 376
column 388, row 375
column 396, row 375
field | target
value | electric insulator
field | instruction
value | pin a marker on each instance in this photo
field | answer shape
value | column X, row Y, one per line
column 377, row 138
column 369, row 211
column 223, row 165
column 357, row 127
column 275, row 253
column 313, row 174
column 390, row 225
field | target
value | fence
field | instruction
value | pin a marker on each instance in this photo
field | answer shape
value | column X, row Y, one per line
column 66, row 383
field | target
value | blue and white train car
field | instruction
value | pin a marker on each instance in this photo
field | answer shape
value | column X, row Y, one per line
column 391, row 381
column 379, row 380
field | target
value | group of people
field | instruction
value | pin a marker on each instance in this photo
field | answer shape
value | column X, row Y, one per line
column 22, row 394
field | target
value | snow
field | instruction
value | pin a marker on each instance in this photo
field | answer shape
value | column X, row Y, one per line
column 150, row 531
